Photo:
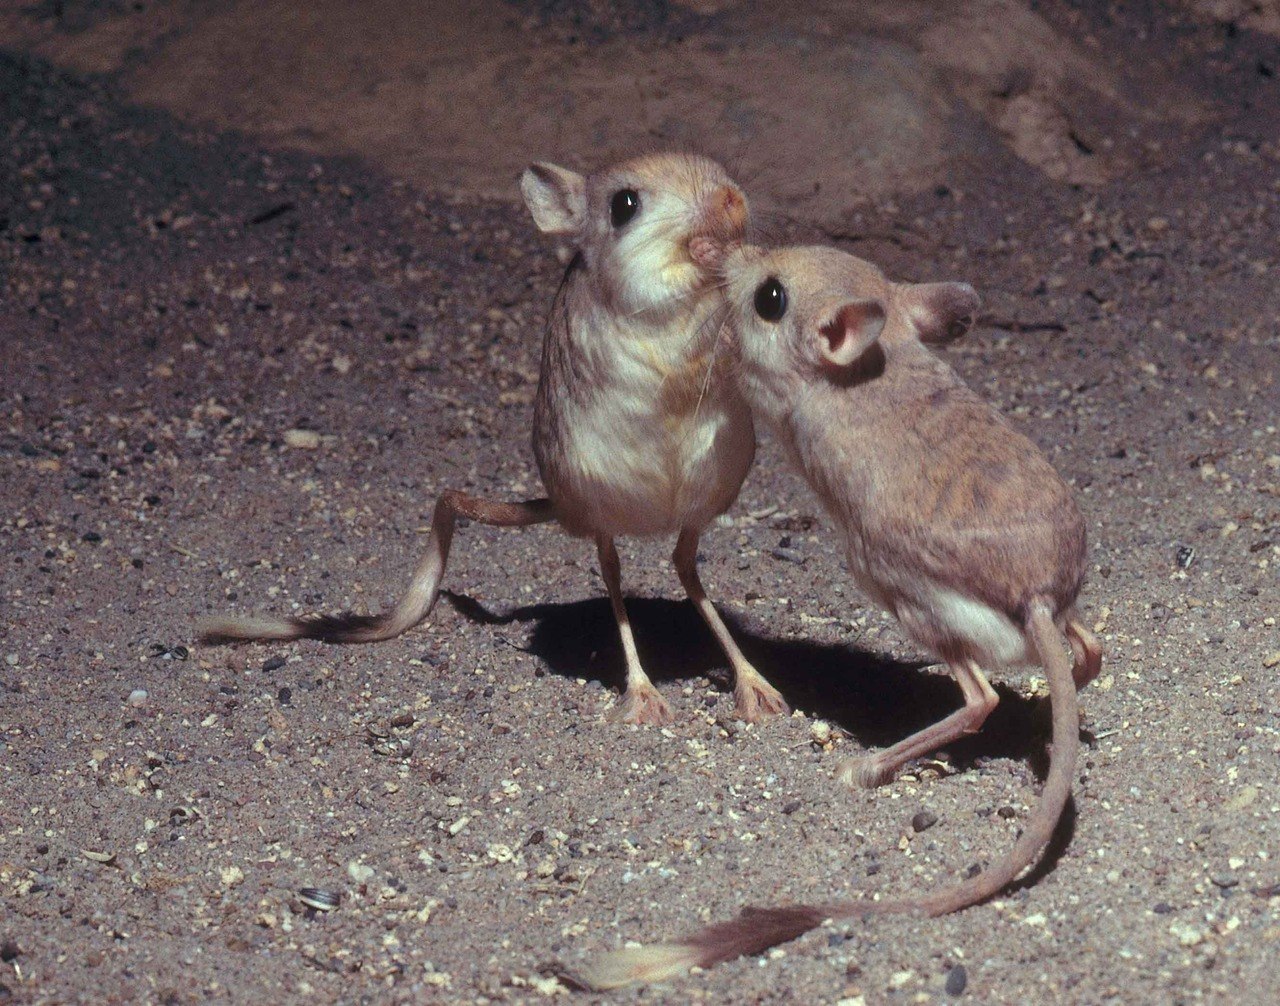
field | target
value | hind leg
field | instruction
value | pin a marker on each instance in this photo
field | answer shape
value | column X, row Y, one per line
column 641, row 702
column 1087, row 650
column 754, row 698
column 979, row 701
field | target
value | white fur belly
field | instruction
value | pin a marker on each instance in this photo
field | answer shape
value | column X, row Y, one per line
column 940, row 619
column 640, row 471
column 989, row 636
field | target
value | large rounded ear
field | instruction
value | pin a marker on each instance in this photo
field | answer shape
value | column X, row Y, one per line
column 942, row 312
column 851, row 332
column 556, row 196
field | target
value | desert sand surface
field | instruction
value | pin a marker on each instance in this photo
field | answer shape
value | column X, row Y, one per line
column 266, row 289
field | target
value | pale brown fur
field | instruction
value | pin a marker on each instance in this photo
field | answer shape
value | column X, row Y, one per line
column 638, row 427
column 954, row 522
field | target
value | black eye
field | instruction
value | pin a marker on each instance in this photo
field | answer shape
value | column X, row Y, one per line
column 625, row 205
column 771, row 300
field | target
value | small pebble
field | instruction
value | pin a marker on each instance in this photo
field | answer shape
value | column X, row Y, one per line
column 419, row 359
column 1187, row 934
column 138, row 698
column 923, row 821
column 273, row 663
column 789, row 555
column 820, row 731
column 304, row 440
column 957, row 980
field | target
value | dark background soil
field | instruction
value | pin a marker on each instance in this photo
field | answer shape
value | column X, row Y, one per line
column 194, row 263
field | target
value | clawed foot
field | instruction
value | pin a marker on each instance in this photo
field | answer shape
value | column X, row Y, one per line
column 643, row 706
column 755, row 700
column 866, row 773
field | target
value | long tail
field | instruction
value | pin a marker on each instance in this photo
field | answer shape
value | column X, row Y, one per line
column 417, row 601
column 758, row 929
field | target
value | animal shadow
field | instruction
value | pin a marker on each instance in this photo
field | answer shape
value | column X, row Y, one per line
column 877, row 699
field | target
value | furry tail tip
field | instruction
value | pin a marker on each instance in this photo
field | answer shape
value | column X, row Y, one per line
column 224, row 629
column 345, row 628
column 637, row 966
column 754, row 931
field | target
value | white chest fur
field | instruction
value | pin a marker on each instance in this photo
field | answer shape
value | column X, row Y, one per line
column 659, row 441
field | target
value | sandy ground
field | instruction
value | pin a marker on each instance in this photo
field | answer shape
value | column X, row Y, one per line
column 178, row 297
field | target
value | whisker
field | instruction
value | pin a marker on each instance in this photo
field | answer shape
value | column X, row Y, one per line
column 749, row 175
column 773, row 228
column 723, row 312
column 710, row 319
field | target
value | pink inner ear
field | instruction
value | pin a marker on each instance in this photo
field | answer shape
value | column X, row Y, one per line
column 835, row 332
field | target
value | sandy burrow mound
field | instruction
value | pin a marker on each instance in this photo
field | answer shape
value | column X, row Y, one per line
column 815, row 105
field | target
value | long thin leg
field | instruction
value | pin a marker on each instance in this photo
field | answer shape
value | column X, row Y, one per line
column 641, row 702
column 417, row 601
column 979, row 701
column 754, row 698
column 1087, row 650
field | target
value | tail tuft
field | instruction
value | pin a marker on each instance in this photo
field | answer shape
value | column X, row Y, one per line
column 238, row 630
column 754, row 931
column 344, row 628
column 637, row 965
